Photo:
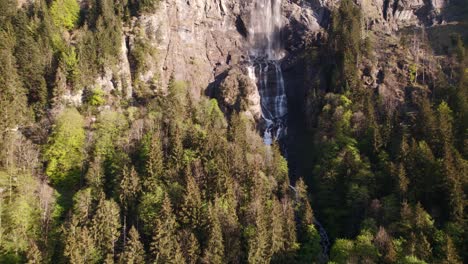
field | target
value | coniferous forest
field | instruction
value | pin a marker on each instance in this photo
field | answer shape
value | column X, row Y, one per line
column 159, row 170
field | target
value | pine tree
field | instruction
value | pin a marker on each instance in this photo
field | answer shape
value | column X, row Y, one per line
column 13, row 103
column 226, row 206
column 304, row 210
column 445, row 120
column 95, row 177
column 453, row 184
column 83, row 205
column 308, row 235
column 176, row 148
column 406, row 218
column 80, row 247
column 259, row 242
column 192, row 211
column 176, row 99
column 423, row 249
column 34, row 255
column 129, row 188
column 277, row 232
column 428, row 123
column 165, row 247
column 133, row 252
column 451, row 256
column 278, row 166
column 190, row 246
column 154, row 165
column 214, row 252
column 384, row 244
column 345, row 42
column 289, row 224
column 105, row 227
column 403, row 180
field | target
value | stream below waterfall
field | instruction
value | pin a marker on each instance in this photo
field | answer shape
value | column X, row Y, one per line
column 264, row 68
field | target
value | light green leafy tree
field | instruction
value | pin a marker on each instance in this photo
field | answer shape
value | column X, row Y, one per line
column 65, row 13
column 64, row 152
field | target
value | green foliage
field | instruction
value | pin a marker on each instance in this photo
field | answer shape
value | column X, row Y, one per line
column 165, row 246
column 33, row 52
column 148, row 6
column 214, row 252
column 204, row 190
column 20, row 214
column 412, row 70
column 70, row 61
column 134, row 251
column 79, row 245
column 346, row 41
column 108, row 128
column 65, row 13
column 341, row 250
column 13, row 105
column 142, row 56
column 311, row 250
column 129, row 188
column 345, row 173
column 65, row 151
column 107, row 34
column 96, row 98
column 149, row 206
column 105, row 228
column 412, row 260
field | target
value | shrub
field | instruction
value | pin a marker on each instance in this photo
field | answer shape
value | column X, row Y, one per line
column 96, row 97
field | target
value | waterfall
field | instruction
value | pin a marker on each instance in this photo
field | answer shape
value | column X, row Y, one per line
column 265, row 66
column 264, row 69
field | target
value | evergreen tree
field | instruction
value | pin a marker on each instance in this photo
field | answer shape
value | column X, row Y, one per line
column 34, row 255
column 345, row 41
column 259, row 241
column 403, row 180
column 226, row 206
column 192, row 211
column 384, row 245
column 105, row 227
column 95, row 177
column 451, row 256
column 190, row 247
column 304, row 209
column 154, row 165
column 289, row 224
column 165, row 246
column 129, row 188
column 277, row 232
column 13, row 104
column 214, row 252
column 133, row 252
column 453, row 184
column 80, row 247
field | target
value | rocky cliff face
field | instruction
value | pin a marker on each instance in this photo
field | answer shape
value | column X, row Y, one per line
column 200, row 41
column 204, row 41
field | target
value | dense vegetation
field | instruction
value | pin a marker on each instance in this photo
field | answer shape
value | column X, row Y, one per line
column 157, row 177
column 389, row 183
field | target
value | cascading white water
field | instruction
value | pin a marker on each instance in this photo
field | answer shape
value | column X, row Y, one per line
column 265, row 69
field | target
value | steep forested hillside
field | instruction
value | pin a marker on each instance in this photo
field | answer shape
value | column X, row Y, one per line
column 133, row 132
